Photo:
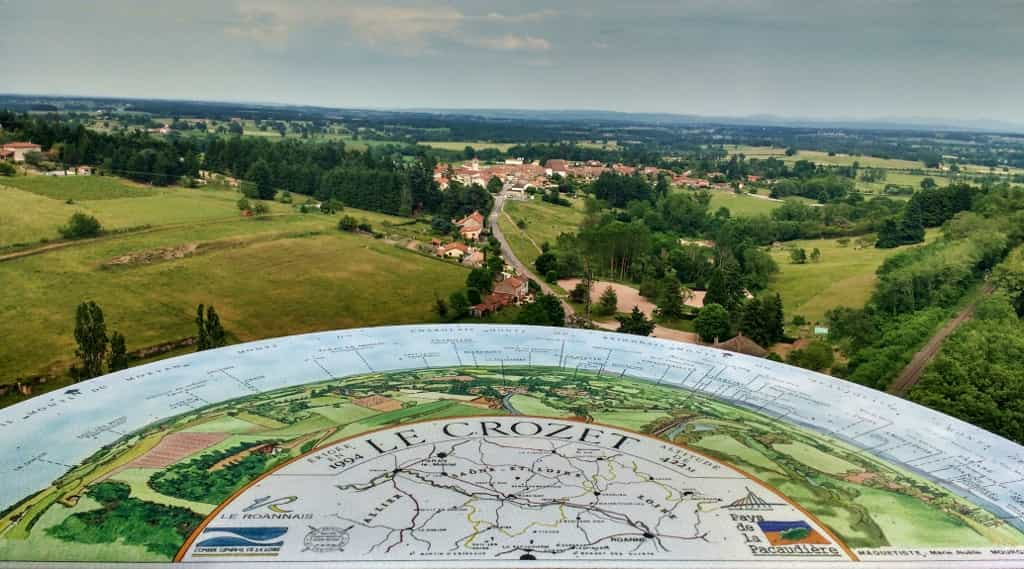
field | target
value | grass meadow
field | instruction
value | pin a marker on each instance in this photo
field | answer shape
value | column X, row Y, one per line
column 845, row 276
column 544, row 222
column 459, row 145
column 822, row 158
column 254, row 270
column 819, row 157
column 742, row 205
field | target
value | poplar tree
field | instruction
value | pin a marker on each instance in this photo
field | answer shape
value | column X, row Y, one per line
column 209, row 331
column 118, row 357
column 91, row 336
column 214, row 330
column 202, row 339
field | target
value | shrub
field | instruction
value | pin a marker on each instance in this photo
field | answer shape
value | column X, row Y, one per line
column 817, row 356
column 579, row 293
column 348, row 223
column 81, row 226
column 712, row 323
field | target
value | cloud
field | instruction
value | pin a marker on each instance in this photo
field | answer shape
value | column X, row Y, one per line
column 528, row 17
column 399, row 29
column 390, row 28
column 408, row 27
column 512, row 42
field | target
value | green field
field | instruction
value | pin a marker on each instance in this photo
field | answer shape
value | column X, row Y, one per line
column 899, row 179
column 79, row 188
column 35, row 214
column 742, row 205
column 845, row 276
column 822, row 461
column 252, row 269
column 544, row 222
column 460, row 145
column 532, row 406
column 822, row 158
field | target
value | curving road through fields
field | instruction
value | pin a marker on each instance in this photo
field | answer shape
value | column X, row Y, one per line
column 512, row 260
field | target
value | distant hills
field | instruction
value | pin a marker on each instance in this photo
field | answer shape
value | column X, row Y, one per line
column 882, row 123
column 40, row 102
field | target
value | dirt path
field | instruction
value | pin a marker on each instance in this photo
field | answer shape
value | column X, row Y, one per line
column 526, row 235
column 912, row 373
column 79, row 242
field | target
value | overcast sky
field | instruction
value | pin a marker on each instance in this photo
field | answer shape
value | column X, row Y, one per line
column 817, row 59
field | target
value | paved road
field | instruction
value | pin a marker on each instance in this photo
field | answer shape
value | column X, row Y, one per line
column 510, row 257
column 912, row 373
column 521, row 268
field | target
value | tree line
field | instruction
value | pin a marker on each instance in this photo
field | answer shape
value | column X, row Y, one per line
column 381, row 180
column 919, row 288
column 978, row 376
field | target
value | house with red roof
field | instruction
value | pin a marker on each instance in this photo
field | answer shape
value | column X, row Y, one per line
column 511, row 290
column 475, row 258
column 16, row 151
column 471, row 226
column 515, row 288
column 556, row 166
column 453, row 250
column 489, row 305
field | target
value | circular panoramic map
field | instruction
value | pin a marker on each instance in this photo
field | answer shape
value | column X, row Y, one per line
column 491, row 446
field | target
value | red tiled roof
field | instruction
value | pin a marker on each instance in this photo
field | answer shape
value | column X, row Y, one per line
column 492, row 302
column 475, row 218
column 509, row 286
column 452, row 246
column 20, row 145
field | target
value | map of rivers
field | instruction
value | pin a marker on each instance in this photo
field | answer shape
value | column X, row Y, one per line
column 494, row 446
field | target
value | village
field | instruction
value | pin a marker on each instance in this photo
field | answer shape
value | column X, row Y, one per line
column 520, row 178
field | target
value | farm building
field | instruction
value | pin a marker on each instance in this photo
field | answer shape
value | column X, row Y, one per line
column 16, row 151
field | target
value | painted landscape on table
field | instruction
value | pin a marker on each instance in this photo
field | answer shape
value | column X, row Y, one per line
column 146, row 491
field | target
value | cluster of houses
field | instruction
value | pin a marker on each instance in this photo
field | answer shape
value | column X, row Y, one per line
column 518, row 176
column 471, row 227
column 206, row 176
column 16, row 151
column 508, row 288
column 688, row 181
column 71, row 171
